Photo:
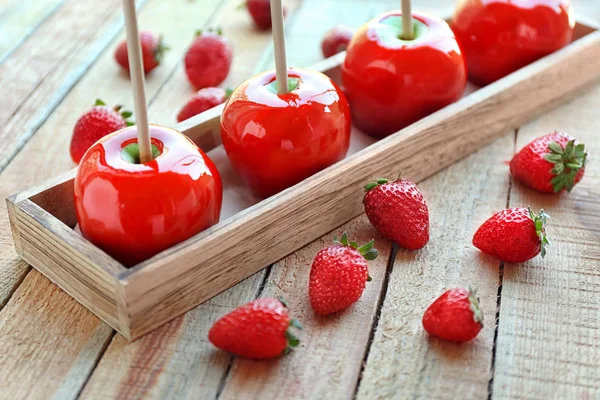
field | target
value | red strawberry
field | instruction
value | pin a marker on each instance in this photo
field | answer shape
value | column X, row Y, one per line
column 550, row 163
column 256, row 330
column 338, row 275
column 96, row 123
column 153, row 50
column 203, row 100
column 208, row 59
column 336, row 40
column 513, row 235
column 260, row 10
column 454, row 316
column 398, row 211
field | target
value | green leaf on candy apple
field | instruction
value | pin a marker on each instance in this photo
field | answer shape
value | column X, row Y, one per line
column 389, row 31
column 131, row 153
column 292, row 85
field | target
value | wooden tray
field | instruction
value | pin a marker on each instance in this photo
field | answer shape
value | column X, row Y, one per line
column 136, row 300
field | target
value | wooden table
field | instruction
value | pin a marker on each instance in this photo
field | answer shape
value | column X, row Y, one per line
column 542, row 333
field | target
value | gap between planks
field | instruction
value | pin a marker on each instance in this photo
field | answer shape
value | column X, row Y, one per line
column 66, row 85
column 500, row 281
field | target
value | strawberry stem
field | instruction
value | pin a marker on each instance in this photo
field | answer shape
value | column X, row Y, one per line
column 367, row 250
column 540, row 228
column 567, row 163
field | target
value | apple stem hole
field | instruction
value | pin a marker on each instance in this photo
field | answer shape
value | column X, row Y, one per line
column 131, row 153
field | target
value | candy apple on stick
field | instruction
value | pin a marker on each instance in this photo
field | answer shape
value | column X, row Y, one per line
column 283, row 126
column 399, row 68
column 145, row 188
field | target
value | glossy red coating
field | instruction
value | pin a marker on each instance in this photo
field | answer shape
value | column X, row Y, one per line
column 393, row 83
column 500, row 36
column 275, row 141
column 134, row 211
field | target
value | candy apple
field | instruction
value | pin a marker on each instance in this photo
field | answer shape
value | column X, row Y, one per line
column 392, row 82
column 132, row 210
column 501, row 36
column 276, row 140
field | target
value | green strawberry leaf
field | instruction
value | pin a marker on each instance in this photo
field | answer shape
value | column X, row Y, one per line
column 539, row 222
column 373, row 185
column 296, row 324
column 367, row 250
column 555, row 148
column 371, row 254
column 292, row 340
column 567, row 163
column 99, row 103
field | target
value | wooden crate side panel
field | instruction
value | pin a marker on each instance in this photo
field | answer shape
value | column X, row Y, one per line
column 197, row 269
column 49, row 246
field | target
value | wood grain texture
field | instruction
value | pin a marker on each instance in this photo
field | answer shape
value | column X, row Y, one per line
column 49, row 344
column 329, row 358
column 19, row 18
column 156, row 289
column 403, row 361
column 549, row 332
column 49, row 149
column 174, row 361
column 49, row 63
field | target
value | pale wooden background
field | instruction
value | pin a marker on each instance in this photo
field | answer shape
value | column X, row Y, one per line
column 542, row 334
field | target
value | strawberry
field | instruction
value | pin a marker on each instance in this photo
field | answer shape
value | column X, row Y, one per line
column 513, row 235
column 550, row 163
column 336, row 40
column 153, row 50
column 398, row 211
column 454, row 316
column 203, row 100
column 338, row 275
column 96, row 123
column 256, row 330
column 208, row 59
column 260, row 11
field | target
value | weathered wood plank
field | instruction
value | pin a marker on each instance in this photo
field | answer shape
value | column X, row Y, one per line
column 48, row 63
column 403, row 361
column 549, row 332
column 329, row 360
column 19, row 18
column 49, row 149
column 175, row 361
column 49, row 343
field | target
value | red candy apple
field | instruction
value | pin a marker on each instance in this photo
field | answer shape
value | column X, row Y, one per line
column 501, row 36
column 275, row 141
column 392, row 82
column 133, row 211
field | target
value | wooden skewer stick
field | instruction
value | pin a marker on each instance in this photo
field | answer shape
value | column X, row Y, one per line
column 279, row 43
column 407, row 25
column 136, row 71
